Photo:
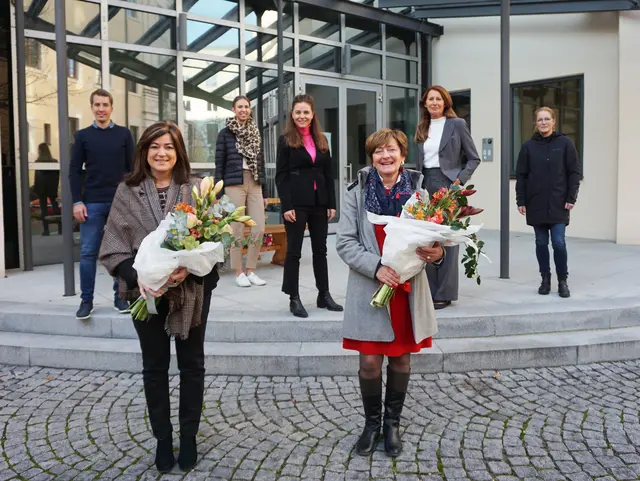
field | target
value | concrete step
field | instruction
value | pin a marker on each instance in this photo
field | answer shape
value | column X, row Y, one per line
column 328, row 358
column 324, row 326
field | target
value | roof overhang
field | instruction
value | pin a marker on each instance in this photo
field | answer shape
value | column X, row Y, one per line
column 486, row 8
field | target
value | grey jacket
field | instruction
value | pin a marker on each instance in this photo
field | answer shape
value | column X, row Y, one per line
column 357, row 247
column 456, row 141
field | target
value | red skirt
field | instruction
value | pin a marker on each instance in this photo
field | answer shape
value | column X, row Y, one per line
column 401, row 323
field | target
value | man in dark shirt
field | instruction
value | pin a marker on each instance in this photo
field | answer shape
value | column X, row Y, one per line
column 106, row 151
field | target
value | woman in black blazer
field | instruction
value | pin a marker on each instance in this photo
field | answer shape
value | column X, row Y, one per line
column 307, row 197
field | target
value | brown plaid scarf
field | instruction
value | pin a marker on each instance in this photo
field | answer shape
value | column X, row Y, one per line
column 135, row 213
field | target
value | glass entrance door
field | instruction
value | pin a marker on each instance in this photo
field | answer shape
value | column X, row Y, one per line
column 348, row 113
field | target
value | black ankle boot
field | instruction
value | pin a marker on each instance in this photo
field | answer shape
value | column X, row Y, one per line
column 393, row 403
column 188, row 453
column 326, row 301
column 296, row 307
column 164, row 455
column 371, row 390
column 545, row 285
column 563, row 288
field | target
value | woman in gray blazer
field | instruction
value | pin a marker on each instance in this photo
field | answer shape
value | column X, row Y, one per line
column 446, row 155
column 409, row 323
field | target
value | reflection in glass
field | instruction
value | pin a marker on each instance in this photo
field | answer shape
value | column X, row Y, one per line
column 401, row 44
column 213, row 39
column 399, row 70
column 366, row 64
column 403, row 115
column 320, row 57
column 462, row 105
column 225, row 9
column 327, row 111
column 168, row 4
column 564, row 96
column 262, row 47
column 142, row 28
column 261, row 15
column 318, row 22
column 144, row 88
column 209, row 88
column 363, row 32
column 82, row 18
column 361, row 122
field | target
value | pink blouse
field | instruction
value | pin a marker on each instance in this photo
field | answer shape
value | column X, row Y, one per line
column 310, row 145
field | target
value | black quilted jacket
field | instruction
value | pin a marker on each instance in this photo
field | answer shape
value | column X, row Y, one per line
column 229, row 162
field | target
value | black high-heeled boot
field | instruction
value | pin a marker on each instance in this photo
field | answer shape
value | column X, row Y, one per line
column 371, row 390
column 164, row 454
column 326, row 301
column 296, row 307
column 393, row 403
column 188, row 453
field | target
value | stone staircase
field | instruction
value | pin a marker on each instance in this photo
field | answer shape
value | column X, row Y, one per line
column 275, row 343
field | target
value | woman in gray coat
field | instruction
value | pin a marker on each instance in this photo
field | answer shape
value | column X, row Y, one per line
column 409, row 323
column 446, row 155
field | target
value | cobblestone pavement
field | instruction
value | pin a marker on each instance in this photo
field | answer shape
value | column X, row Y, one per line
column 577, row 423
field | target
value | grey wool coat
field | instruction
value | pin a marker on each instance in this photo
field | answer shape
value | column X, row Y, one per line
column 357, row 247
column 456, row 143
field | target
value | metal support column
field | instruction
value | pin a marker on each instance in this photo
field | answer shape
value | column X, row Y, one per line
column 505, row 136
column 281, row 94
column 23, row 126
column 63, row 138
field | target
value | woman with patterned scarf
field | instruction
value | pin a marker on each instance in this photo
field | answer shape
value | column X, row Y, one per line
column 240, row 163
column 161, row 178
column 409, row 323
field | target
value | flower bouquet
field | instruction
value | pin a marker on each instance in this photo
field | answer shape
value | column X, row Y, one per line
column 444, row 218
column 192, row 236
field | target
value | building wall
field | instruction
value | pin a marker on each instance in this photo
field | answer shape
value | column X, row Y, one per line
column 467, row 56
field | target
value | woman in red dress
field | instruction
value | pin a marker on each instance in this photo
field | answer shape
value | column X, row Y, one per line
column 409, row 323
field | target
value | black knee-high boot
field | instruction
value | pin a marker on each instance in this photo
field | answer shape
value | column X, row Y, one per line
column 371, row 390
column 393, row 402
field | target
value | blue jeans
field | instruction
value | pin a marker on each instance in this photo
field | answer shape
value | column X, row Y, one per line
column 559, row 248
column 90, row 239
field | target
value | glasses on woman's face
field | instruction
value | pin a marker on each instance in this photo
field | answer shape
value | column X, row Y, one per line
column 545, row 120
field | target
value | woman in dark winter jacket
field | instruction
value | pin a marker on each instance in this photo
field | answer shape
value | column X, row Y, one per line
column 239, row 162
column 547, row 182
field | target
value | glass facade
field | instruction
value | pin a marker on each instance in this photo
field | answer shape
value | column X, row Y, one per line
column 366, row 75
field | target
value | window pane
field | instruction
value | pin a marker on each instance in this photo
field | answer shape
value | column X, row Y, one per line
column 363, row 33
column 213, row 39
column 262, row 47
column 155, row 95
column 320, row 57
column 44, row 169
column 269, row 17
column 209, row 87
column 462, row 105
column 213, row 8
column 403, row 115
column 564, row 96
column 82, row 18
column 168, row 4
column 399, row 70
column 403, row 45
column 318, row 22
column 142, row 28
column 366, row 64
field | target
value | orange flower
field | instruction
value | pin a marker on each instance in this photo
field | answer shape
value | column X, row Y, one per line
column 184, row 207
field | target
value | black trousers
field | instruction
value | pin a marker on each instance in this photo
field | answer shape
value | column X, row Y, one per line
column 316, row 219
column 156, row 356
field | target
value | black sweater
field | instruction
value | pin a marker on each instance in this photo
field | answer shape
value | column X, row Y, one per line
column 107, row 155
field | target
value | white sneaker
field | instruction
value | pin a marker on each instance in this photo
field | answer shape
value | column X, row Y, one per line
column 255, row 280
column 242, row 281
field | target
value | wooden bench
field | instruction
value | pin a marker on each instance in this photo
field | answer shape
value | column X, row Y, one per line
column 279, row 236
